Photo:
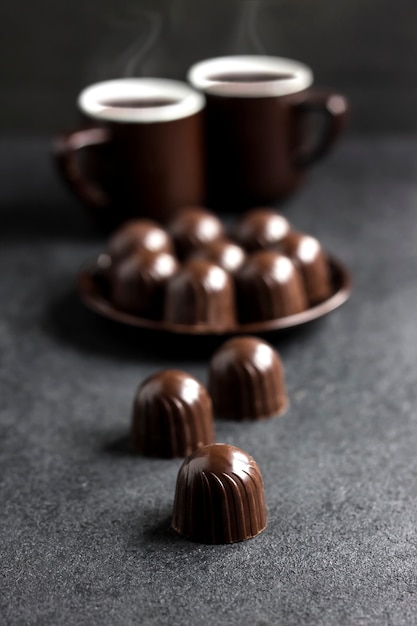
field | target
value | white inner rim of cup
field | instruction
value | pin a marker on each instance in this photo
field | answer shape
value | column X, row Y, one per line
column 206, row 75
column 100, row 100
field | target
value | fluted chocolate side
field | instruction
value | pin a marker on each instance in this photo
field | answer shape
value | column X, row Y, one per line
column 308, row 255
column 219, row 496
column 172, row 415
column 200, row 293
column 269, row 286
column 137, row 282
column 247, row 381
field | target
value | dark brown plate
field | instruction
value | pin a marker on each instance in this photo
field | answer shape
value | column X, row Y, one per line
column 93, row 297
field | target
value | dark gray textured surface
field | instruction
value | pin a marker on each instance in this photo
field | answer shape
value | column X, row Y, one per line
column 84, row 533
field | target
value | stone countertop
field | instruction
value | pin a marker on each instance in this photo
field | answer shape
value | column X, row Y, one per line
column 85, row 535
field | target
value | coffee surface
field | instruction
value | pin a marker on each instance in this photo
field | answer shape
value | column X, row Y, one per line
column 249, row 77
column 138, row 103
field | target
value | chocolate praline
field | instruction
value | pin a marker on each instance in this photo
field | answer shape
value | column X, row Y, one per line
column 138, row 235
column 269, row 286
column 224, row 253
column 307, row 254
column 172, row 415
column 246, row 380
column 194, row 227
column 137, row 282
column 261, row 229
column 219, row 496
column 200, row 293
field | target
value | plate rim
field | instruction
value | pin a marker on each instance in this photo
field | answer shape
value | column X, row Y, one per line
column 91, row 297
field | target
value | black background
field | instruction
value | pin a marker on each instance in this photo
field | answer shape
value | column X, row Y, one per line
column 50, row 50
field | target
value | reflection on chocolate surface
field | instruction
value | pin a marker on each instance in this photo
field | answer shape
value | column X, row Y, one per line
column 172, row 415
column 268, row 287
column 137, row 282
column 225, row 253
column 260, row 229
column 200, row 293
column 246, row 380
column 138, row 235
column 307, row 254
column 194, row 227
column 219, row 496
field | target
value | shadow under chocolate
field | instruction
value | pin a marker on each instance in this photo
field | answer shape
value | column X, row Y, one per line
column 70, row 323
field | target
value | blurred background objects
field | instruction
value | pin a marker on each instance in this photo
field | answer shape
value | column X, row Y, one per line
column 366, row 49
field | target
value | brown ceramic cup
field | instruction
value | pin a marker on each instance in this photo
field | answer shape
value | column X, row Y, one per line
column 139, row 151
column 263, row 127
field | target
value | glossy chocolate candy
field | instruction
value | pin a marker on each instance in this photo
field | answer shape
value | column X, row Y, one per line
column 219, row 496
column 172, row 415
column 137, row 282
column 308, row 255
column 261, row 229
column 246, row 380
column 138, row 235
column 201, row 293
column 227, row 254
column 269, row 286
column 194, row 227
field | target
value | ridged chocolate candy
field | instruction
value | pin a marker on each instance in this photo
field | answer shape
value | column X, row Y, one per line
column 200, row 293
column 137, row 282
column 194, row 227
column 172, row 415
column 138, row 235
column 307, row 254
column 246, row 380
column 225, row 253
column 269, row 287
column 261, row 229
column 219, row 496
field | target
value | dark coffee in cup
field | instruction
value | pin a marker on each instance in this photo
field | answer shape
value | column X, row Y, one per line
column 137, row 103
column 258, row 140
column 248, row 77
column 143, row 143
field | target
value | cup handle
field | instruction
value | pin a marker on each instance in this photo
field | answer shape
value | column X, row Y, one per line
column 334, row 109
column 65, row 150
